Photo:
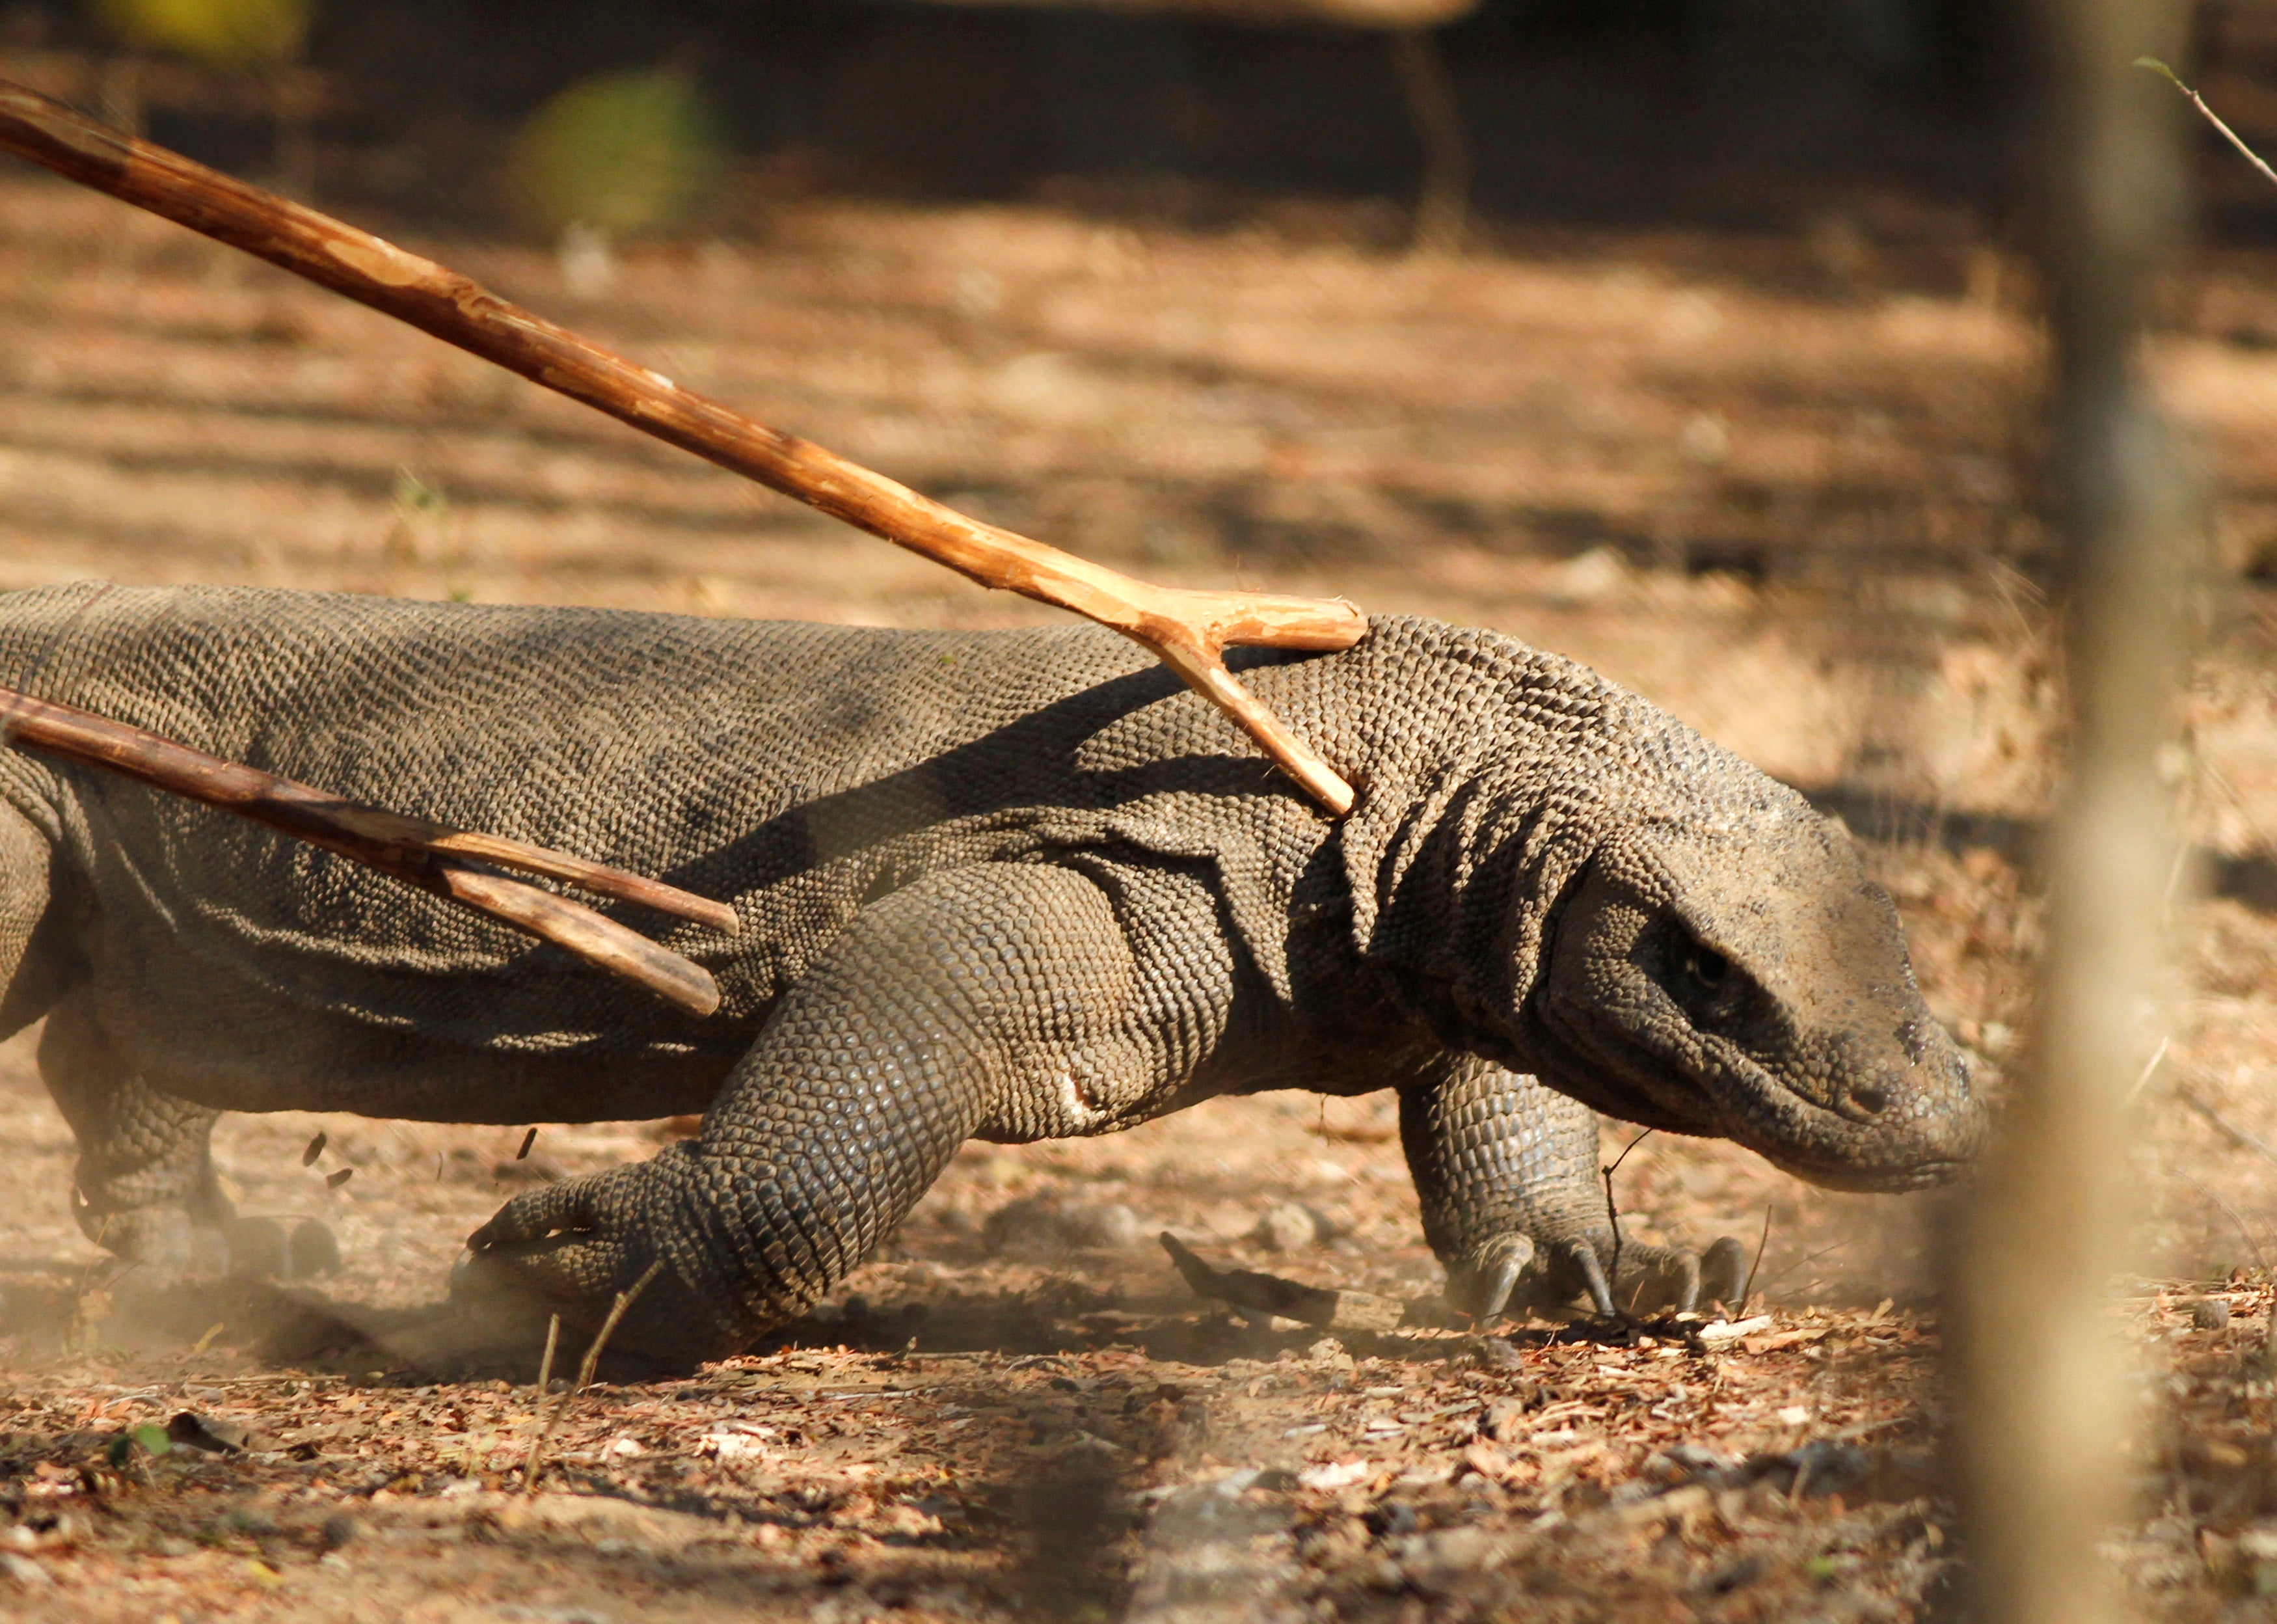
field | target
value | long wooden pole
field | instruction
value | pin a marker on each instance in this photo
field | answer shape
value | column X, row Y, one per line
column 431, row 856
column 2044, row 1408
column 1188, row 631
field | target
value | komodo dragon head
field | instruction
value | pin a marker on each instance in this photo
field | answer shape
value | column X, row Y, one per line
column 1738, row 975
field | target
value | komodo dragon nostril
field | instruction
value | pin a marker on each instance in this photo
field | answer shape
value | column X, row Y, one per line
column 1870, row 1100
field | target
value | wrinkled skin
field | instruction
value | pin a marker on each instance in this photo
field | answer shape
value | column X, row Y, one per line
column 1781, row 1014
column 1010, row 886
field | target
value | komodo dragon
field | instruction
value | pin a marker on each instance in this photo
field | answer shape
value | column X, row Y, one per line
column 1005, row 885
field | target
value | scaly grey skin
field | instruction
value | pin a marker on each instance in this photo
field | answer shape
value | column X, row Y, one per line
column 1013, row 886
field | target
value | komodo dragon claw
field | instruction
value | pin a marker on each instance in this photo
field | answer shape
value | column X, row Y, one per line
column 1651, row 1280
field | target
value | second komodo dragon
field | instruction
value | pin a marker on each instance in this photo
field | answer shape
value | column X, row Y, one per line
column 1009, row 885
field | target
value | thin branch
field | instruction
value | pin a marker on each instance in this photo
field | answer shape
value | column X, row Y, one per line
column 2244, row 1233
column 1612, row 1208
column 2149, row 1066
column 2156, row 66
column 545, row 1365
column 616, row 1312
column 1748, row 1286
column 532, row 1467
column 434, row 857
column 1807, row 1259
column 1188, row 631
column 2229, row 1130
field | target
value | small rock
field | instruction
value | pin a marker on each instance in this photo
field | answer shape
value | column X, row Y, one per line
column 1437, row 1563
column 1703, row 439
column 1289, row 1227
column 1391, row 1519
column 2248, row 1563
column 1592, row 577
column 2259, row 1542
column 312, row 1250
column 258, row 1248
column 221, row 1437
column 2211, row 1314
column 1496, row 1354
column 1695, row 1459
column 1336, row 1475
column 1505, row 1422
column 1047, row 1226
column 24, row 1570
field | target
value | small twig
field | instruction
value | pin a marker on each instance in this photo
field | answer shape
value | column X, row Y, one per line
column 2251, row 1244
column 2150, row 1068
column 2228, row 1130
column 1748, row 1286
column 1613, row 1211
column 2213, row 118
column 616, row 1312
column 545, row 1365
column 1807, row 1258
column 434, row 857
column 1188, row 631
column 584, row 1372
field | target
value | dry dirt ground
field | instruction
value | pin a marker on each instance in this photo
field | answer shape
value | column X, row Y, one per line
column 1757, row 481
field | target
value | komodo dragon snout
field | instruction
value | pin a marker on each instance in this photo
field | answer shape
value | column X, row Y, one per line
column 1744, row 979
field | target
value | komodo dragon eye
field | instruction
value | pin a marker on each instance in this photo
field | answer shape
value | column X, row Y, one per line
column 1706, row 984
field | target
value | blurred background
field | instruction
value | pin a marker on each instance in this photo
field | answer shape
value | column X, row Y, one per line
column 1690, row 337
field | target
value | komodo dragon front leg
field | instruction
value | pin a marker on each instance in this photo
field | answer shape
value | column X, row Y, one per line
column 982, row 999
column 1506, row 1171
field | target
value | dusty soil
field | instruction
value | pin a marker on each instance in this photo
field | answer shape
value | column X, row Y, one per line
column 1760, row 488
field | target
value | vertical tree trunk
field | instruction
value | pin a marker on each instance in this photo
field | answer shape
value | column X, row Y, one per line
column 2042, row 1406
column 1442, row 202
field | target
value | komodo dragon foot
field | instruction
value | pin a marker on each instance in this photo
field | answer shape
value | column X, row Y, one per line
column 1506, row 1170
column 146, row 1190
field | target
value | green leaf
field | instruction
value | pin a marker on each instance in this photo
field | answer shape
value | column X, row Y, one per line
column 152, row 1439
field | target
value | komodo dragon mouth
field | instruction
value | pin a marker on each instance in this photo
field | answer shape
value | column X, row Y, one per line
column 1773, row 1005
column 1729, row 1095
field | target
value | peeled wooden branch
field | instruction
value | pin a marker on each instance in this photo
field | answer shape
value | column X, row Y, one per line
column 1188, row 631
column 431, row 856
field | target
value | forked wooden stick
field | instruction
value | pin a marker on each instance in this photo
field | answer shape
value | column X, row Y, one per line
column 1188, row 630
column 431, row 856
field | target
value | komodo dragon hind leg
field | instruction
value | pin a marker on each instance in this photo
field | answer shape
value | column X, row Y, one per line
column 1506, row 1171
column 145, row 1189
